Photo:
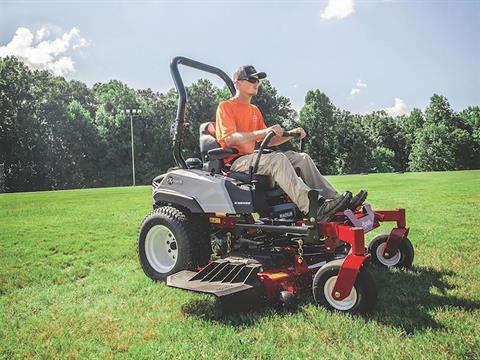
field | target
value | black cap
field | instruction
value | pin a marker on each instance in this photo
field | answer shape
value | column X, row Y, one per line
column 248, row 71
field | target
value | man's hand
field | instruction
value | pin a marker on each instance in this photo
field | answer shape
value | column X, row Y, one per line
column 300, row 131
column 277, row 129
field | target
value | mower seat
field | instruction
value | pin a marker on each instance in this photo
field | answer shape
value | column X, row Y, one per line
column 213, row 155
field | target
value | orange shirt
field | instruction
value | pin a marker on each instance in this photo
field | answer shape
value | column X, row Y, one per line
column 235, row 116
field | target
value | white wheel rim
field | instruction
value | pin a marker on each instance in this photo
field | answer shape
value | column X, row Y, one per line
column 161, row 249
column 394, row 260
column 342, row 305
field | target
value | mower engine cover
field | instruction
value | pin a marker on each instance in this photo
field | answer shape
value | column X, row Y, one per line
column 202, row 192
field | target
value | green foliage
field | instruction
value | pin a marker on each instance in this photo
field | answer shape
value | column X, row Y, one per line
column 410, row 126
column 447, row 140
column 351, row 144
column 59, row 134
column 470, row 152
column 383, row 160
column 47, row 136
column 386, row 132
column 20, row 130
column 201, row 107
column 316, row 117
column 439, row 111
column 433, row 150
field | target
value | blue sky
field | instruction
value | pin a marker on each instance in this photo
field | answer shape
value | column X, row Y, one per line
column 365, row 55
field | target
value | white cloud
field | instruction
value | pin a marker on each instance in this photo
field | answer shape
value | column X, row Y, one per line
column 40, row 34
column 338, row 9
column 399, row 108
column 39, row 53
column 359, row 85
column 62, row 66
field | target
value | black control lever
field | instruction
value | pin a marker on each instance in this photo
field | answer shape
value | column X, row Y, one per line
column 263, row 145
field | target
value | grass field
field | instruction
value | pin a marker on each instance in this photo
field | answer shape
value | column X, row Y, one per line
column 71, row 285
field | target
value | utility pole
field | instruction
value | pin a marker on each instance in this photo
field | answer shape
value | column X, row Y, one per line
column 132, row 113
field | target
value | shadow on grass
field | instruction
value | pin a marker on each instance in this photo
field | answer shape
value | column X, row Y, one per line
column 212, row 310
column 406, row 300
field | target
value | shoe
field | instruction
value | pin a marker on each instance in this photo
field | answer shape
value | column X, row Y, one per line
column 315, row 201
column 328, row 209
column 358, row 200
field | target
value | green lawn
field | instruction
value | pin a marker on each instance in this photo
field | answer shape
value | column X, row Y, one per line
column 71, row 285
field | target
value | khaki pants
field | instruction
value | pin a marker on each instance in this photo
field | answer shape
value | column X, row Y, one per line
column 281, row 166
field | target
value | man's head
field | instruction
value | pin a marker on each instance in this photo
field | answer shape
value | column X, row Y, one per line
column 247, row 80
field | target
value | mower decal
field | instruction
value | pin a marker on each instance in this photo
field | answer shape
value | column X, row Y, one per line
column 366, row 222
column 171, row 180
column 209, row 191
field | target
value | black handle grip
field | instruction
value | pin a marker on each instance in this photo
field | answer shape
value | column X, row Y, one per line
column 294, row 134
column 263, row 145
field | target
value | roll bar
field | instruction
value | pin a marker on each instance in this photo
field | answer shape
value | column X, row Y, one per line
column 180, row 123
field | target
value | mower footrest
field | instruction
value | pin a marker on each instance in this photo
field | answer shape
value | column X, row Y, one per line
column 220, row 278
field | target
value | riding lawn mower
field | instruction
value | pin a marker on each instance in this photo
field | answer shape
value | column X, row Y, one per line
column 239, row 237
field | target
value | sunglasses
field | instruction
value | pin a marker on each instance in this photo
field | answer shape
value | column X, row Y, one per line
column 252, row 80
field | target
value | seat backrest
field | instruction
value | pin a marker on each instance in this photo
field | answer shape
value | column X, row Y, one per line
column 209, row 142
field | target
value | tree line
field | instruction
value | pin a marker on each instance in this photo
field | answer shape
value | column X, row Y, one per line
column 59, row 134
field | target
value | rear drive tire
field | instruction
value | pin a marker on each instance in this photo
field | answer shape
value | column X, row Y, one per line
column 402, row 260
column 361, row 299
column 170, row 241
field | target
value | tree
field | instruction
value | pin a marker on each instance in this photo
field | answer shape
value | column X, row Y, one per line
column 114, row 128
column 316, row 117
column 446, row 142
column 434, row 149
column 470, row 119
column 439, row 111
column 57, row 134
column 410, row 126
column 83, row 143
column 201, row 107
column 351, row 146
column 154, row 144
column 382, row 160
column 385, row 132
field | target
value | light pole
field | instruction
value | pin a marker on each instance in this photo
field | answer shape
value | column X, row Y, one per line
column 132, row 113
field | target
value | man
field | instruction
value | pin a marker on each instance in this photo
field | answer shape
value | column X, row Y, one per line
column 239, row 124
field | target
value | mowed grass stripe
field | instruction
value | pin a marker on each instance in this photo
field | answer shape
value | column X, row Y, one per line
column 71, row 285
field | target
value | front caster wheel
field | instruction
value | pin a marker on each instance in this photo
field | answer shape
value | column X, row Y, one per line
column 361, row 299
column 403, row 259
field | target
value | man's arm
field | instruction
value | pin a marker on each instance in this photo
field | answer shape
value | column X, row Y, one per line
column 240, row 138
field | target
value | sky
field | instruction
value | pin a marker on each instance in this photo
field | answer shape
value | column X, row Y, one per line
column 365, row 55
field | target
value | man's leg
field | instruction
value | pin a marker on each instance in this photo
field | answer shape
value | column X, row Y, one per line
column 279, row 167
column 310, row 174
